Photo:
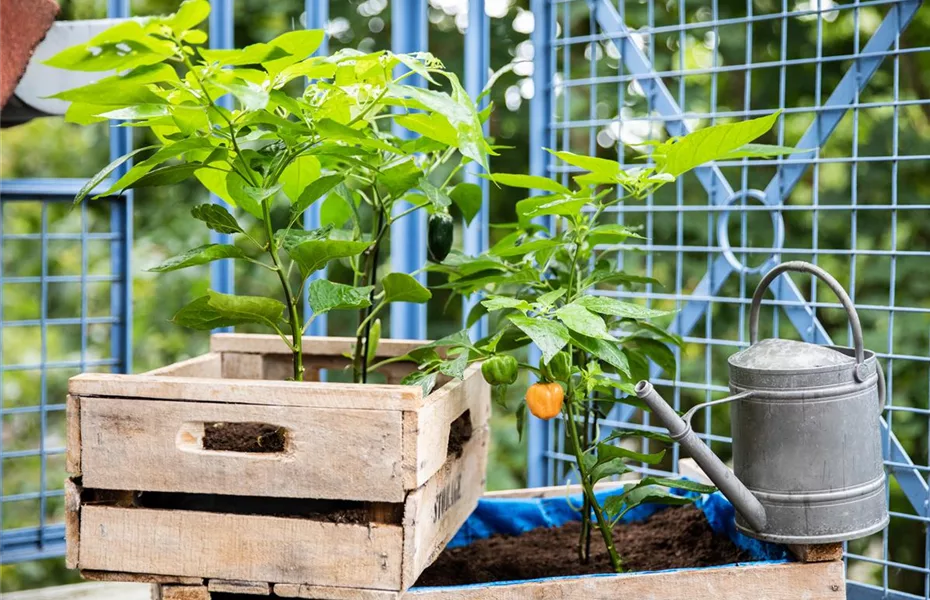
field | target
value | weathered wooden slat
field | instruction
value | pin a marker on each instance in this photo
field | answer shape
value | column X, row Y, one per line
column 309, row 394
column 229, row 586
column 184, row 592
column 426, row 430
column 73, row 449
column 205, row 365
column 252, row 548
column 314, row 592
column 149, row 445
column 434, row 513
column 72, row 524
column 792, row 581
column 139, row 577
column 245, row 366
column 312, row 346
column 817, row 552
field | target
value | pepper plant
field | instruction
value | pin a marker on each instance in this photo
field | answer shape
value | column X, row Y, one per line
column 544, row 281
column 273, row 152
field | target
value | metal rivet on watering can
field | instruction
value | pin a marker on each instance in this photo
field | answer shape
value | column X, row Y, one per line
column 807, row 453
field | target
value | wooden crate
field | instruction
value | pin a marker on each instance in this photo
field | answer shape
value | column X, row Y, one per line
column 819, row 575
column 147, row 502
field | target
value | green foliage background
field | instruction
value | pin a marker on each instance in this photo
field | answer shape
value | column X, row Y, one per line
column 51, row 148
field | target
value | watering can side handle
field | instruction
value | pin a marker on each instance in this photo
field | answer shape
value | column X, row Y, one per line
column 806, row 267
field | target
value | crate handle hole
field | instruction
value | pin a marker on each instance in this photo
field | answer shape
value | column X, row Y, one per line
column 460, row 431
column 225, row 436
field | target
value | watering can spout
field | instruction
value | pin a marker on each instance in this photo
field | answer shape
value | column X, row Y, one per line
column 680, row 430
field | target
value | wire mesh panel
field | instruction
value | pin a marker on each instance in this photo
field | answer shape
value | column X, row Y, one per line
column 850, row 80
column 60, row 314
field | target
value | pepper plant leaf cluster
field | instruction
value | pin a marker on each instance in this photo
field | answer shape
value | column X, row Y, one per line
column 547, row 282
column 285, row 144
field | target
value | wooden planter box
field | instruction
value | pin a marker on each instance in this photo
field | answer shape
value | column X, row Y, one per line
column 819, row 575
column 370, row 484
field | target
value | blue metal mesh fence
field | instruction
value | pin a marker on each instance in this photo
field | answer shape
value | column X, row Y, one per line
column 612, row 75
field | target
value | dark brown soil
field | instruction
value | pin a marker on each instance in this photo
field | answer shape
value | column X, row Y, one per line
column 672, row 538
column 459, row 433
column 243, row 437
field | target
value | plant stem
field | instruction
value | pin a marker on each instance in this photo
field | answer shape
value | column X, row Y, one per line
column 603, row 525
column 293, row 314
column 584, row 543
column 360, row 360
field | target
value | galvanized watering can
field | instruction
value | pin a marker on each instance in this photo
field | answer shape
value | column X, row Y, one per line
column 807, row 458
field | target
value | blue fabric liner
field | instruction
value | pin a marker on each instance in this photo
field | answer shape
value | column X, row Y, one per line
column 513, row 516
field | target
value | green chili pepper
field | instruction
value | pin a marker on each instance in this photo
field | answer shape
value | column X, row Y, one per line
column 558, row 368
column 439, row 235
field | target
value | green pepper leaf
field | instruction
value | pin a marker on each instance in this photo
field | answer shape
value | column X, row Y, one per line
column 501, row 302
column 105, row 172
column 455, row 367
column 199, row 256
column 299, row 175
column 314, row 191
column 311, row 255
column 680, row 155
column 226, row 310
column 606, row 305
column 400, row 178
column 401, row 287
column 549, row 336
column 607, row 452
column 606, row 351
column 217, row 218
column 614, row 466
column 439, row 201
column 581, row 320
column 530, row 182
column 468, row 197
column 426, row 381
column 324, row 295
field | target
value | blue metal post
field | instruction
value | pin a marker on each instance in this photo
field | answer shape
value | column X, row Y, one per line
column 477, row 63
column 540, row 114
column 222, row 272
column 409, row 33
column 121, row 248
column 317, row 16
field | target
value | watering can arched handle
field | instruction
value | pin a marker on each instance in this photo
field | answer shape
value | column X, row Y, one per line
column 806, row 267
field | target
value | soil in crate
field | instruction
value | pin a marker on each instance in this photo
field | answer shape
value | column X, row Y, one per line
column 673, row 538
column 243, row 437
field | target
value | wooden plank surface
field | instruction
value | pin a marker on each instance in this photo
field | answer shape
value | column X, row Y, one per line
column 184, row 592
column 86, row 591
column 791, row 581
column 308, row 394
column 246, row 366
column 205, row 365
column 817, row 552
column 316, row 592
column 312, row 346
column 426, row 431
column 149, row 445
column 139, row 577
column 253, row 548
column 232, row 586
column 436, row 511
column 73, row 447
column 72, row 524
